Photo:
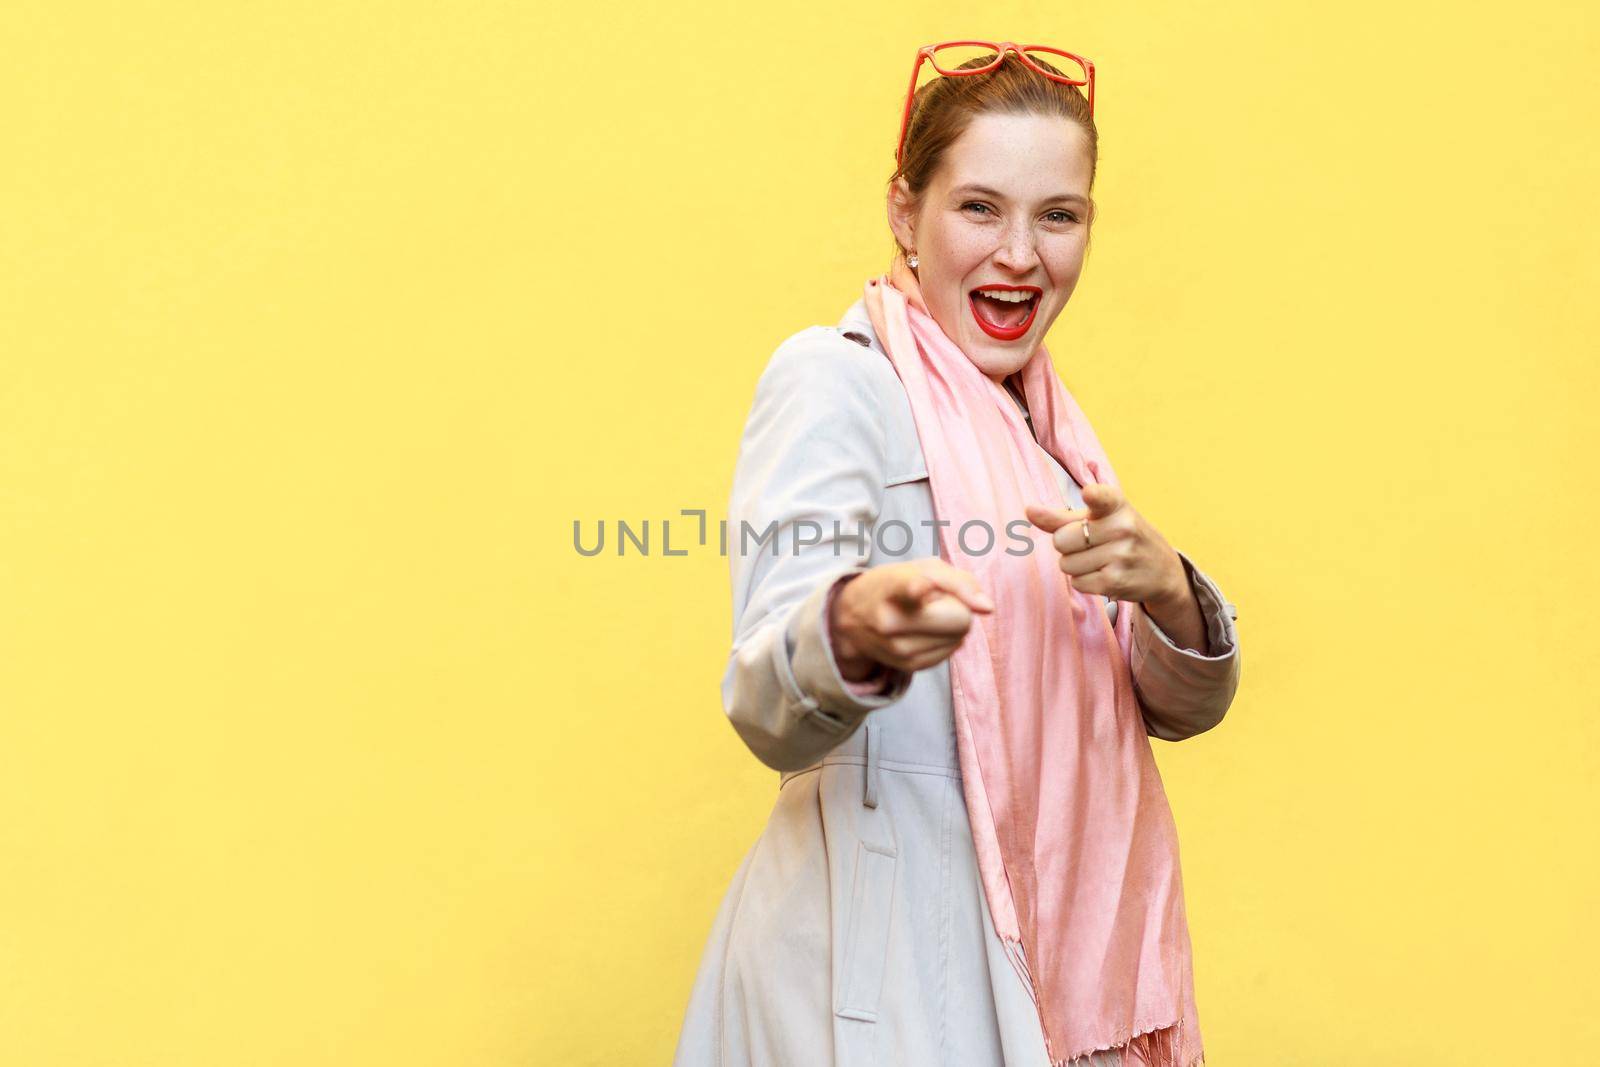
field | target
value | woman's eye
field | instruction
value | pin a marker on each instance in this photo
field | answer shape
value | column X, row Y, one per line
column 984, row 207
column 1066, row 216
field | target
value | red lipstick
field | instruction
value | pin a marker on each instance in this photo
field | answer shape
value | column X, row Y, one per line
column 1006, row 333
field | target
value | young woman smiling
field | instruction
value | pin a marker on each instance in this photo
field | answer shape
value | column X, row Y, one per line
column 971, row 860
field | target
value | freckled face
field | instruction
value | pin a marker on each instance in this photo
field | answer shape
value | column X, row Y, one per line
column 1008, row 206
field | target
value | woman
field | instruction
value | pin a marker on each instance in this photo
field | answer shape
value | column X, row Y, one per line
column 971, row 860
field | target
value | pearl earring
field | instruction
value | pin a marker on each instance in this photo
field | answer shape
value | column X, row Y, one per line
column 911, row 261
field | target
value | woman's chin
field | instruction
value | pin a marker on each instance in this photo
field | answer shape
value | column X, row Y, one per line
column 999, row 359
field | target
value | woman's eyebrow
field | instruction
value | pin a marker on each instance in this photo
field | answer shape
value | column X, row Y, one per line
column 984, row 190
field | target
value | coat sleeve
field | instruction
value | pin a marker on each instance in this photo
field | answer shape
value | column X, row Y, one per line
column 1183, row 692
column 807, row 490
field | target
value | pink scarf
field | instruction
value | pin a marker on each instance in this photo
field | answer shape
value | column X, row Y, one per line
column 1075, row 840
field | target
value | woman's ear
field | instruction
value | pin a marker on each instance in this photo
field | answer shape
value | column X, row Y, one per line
column 902, row 214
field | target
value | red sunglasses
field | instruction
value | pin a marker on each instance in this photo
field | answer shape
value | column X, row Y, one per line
column 1000, row 48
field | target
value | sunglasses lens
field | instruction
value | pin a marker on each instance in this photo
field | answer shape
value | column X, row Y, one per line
column 955, row 57
column 1069, row 68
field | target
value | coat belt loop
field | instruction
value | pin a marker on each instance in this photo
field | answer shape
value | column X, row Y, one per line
column 870, row 799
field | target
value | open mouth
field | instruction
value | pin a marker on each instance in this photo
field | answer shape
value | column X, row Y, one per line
column 1005, row 311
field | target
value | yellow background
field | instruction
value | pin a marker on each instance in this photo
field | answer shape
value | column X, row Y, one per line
column 322, row 322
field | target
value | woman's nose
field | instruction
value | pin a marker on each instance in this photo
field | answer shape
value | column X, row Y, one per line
column 1017, row 251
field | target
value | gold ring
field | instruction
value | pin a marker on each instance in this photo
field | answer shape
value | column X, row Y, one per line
column 1086, row 542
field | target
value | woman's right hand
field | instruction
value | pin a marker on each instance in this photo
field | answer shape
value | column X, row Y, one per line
column 909, row 616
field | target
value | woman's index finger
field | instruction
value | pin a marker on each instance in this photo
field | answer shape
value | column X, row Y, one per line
column 963, row 585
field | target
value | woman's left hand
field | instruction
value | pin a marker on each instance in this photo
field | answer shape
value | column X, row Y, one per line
column 1125, row 558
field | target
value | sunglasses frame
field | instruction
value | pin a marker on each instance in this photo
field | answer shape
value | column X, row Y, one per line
column 926, row 52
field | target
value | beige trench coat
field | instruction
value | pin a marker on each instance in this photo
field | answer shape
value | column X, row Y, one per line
column 856, row 931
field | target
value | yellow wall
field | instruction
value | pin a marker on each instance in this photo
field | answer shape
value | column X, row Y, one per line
column 321, row 322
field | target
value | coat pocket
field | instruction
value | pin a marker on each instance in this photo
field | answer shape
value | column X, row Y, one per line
column 866, row 946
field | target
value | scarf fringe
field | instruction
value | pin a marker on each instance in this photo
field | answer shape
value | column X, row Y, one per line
column 1160, row 1046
